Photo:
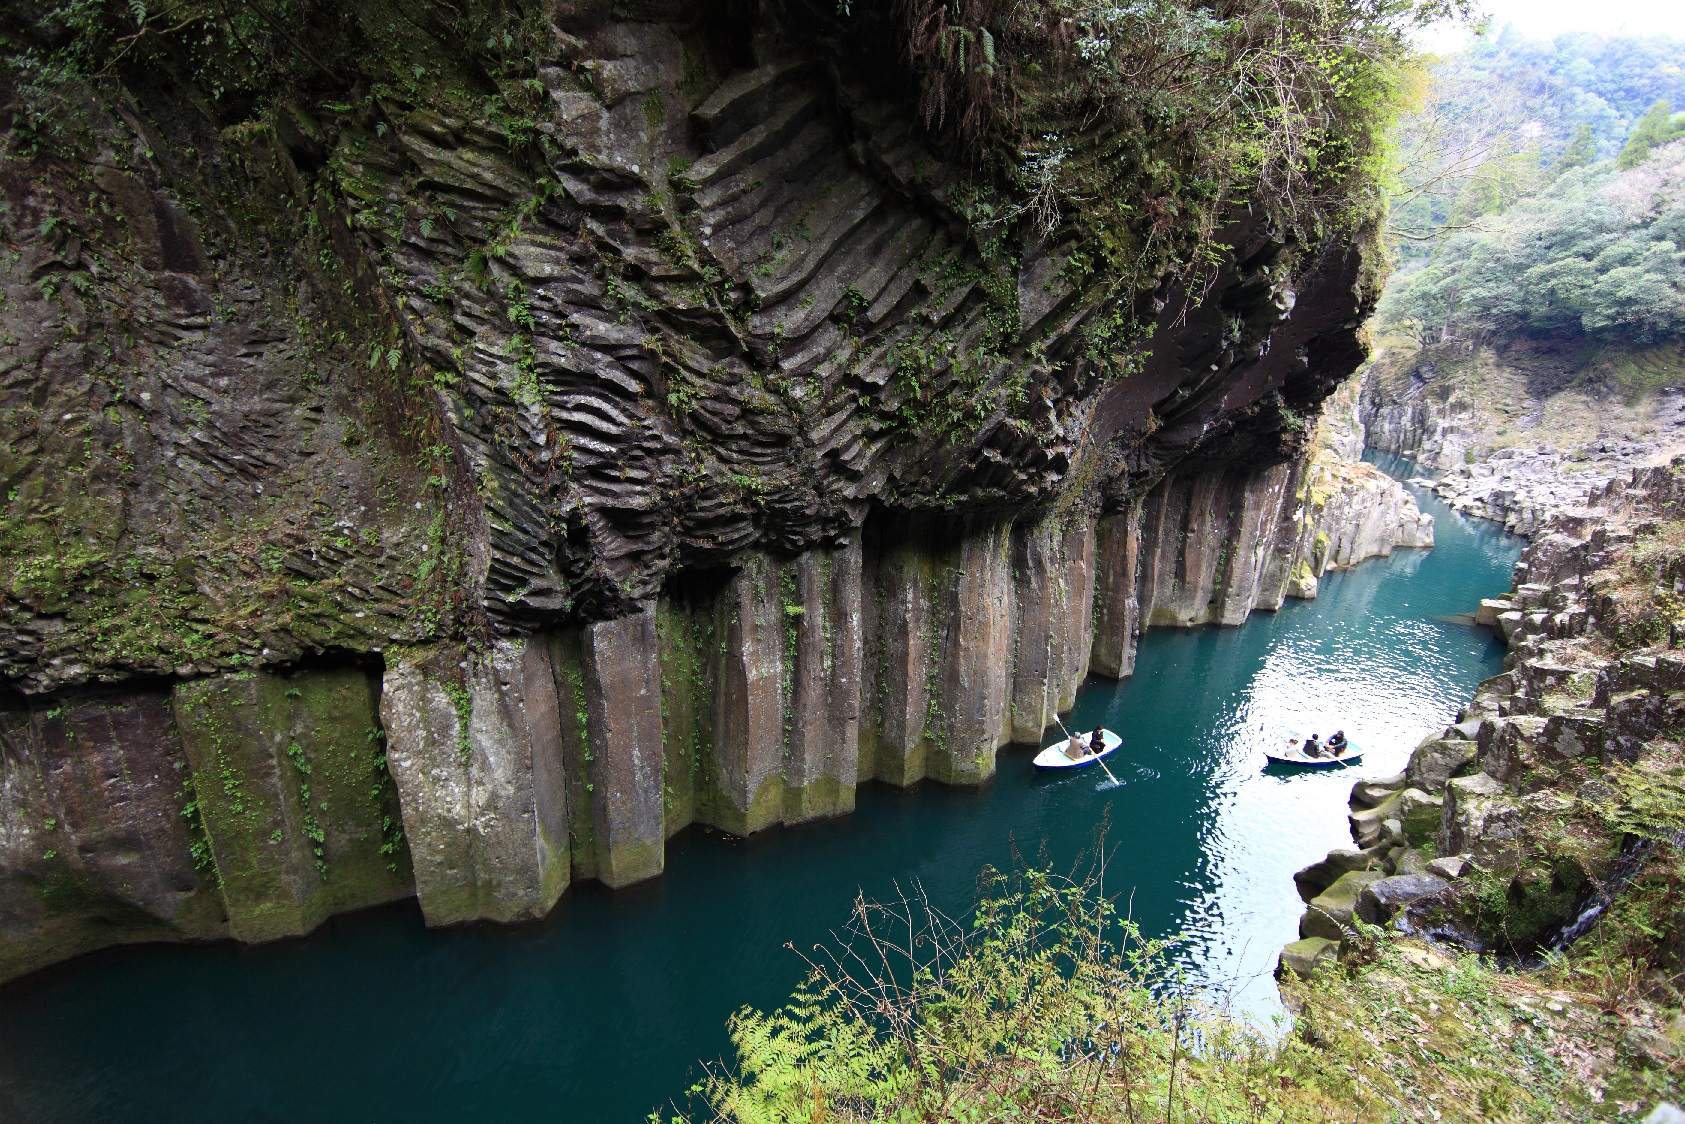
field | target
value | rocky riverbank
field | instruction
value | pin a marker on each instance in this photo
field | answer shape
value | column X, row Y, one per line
column 459, row 454
column 1558, row 788
column 1520, row 434
column 1523, row 488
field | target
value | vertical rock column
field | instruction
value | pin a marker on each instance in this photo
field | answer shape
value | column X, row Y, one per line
column 751, row 712
column 1207, row 541
column 968, row 716
column 476, row 754
column 1053, row 577
column 1117, row 620
column 901, row 653
column 938, row 649
column 688, row 637
column 824, row 758
column 625, row 767
column 1282, row 571
column 1254, row 504
column 95, row 848
column 1073, row 620
column 291, row 792
column 1178, row 560
column 1035, row 583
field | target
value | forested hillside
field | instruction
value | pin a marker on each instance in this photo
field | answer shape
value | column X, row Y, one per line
column 1506, row 117
column 1594, row 255
column 1536, row 320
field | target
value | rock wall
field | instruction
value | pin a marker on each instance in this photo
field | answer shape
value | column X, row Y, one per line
column 254, row 806
column 1524, row 488
column 456, row 471
column 1404, row 416
column 1521, row 433
column 257, row 804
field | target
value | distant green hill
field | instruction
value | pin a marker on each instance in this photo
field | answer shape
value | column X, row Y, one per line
column 1504, row 118
column 1594, row 256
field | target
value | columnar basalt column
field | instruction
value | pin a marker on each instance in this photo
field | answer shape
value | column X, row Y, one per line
column 1164, row 530
column 687, row 632
column 824, row 754
column 1052, row 621
column 94, row 846
column 969, row 715
column 751, row 709
column 291, row 794
column 1117, row 611
column 483, row 808
column 901, row 653
column 623, row 702
column 1035, row 588
column 1073, row 631
column 1255, row 501
column 1284, row 570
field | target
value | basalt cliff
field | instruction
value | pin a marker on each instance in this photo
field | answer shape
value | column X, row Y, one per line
column 454, row 472
column 1526, row 429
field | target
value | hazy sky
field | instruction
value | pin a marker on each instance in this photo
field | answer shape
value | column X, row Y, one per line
column 1543, row 19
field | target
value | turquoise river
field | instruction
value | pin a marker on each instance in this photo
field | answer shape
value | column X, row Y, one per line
column 603, row 1012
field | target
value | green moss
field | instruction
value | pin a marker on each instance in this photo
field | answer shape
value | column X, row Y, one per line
column 631, row 862
column 76, row 918
column 766, row 809
column 567, row 663
column 290, row 783
column 820, row 799
column 685, row 638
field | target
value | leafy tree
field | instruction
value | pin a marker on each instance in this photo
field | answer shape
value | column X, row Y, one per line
column 1654, row 129
column 1509, row 115
column 1581, row 151
column 1597, row 255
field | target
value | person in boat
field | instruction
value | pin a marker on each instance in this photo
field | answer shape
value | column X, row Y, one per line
column 1313, row 748
column 1074, row 749
column 1097, row 742
column 1337, row 744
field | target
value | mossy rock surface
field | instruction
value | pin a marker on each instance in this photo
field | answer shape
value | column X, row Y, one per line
column 289, row 773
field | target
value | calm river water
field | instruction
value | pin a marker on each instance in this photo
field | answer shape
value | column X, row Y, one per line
column 602, row 1013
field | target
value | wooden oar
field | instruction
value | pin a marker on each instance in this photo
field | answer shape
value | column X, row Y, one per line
column 1098, row 761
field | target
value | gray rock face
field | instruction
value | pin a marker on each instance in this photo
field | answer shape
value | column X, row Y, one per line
column 482, row 827
column 1329, row 914
column 759, row 697
column 1476, row 807
column 1381, row 899
column 1414, row 812
column 292, row 800
column 1368, row 794
column 1316, row 878
column 1304, row 957
column 624, row 765
column 1449, row 867
column 94, row 846
column 730, row 301
column 1436, row 762
column 651, row 472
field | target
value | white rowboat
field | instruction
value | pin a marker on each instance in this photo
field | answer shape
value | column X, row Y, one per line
column 1053, row 757
column 1293, row 754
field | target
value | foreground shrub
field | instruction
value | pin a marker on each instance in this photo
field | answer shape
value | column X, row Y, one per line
column 1050, row 1007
